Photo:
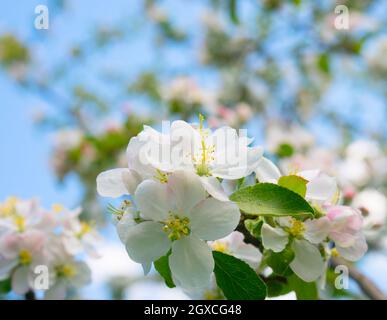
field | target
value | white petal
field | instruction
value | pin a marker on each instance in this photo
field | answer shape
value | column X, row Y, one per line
column 239, row 167
column 124, row 224
column 191, row 262
column 213, row 219
column 187, row 190
column 322, row 188
column 308, row 263
column 131, row 180
column 72, row 244
column 82, row 276
column 274, row 239
column 244, row 251
column 309, row 174
column 316, row 230
column 6, row 265
column 267, row 171
column 146, row 267
column 356, row 251
column 152, row 200
column 20, row 283
column 135, row 153
column 146, row 242
column 111, row 183
column 214, row 188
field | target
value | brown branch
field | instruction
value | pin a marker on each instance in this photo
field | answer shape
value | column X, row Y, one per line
column 368, row 287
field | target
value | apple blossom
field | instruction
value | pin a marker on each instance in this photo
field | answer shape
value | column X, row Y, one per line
column 180, row 211
column 221, row 154
column 180, row 217
column 31, row 236
column 346, row 226
column 308, row 263
column 373, row 206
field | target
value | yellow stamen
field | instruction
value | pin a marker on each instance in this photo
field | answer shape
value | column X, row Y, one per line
column 57, row 208
column 8, row 208
column 20, row 222
column 176, row 227
column 66, row 270
column 85, row 228
column 162, row 177
column 25, row 257
column 335, row 253
column 219, row 246
column 297, row 229
column 206, row 152
column 294, row 169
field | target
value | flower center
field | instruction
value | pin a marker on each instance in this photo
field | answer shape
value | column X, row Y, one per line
column 25, row 257
column 176, row 227
column 206, row 154
column 8, row 208
column 20, row 223
column 335, row 253
column 219, row 246
column 161, row 176
column 57, row 208
column 66, row 271
column 297, row 229
column 85, row 228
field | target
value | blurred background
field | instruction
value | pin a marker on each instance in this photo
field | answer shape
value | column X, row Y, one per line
column 314, row 95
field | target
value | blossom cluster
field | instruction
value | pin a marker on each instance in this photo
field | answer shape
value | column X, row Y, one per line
column 311, row 239
column 41, row 249
column 182, row 185
column 360, row 170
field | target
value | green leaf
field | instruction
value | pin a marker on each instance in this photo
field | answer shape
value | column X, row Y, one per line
column 294, row 183
column 277, row 286
column 254, row 227
column 297, row 2
column 233, row 11
column 162, row 267
column 304, row 290
column 323, row 63
column 271, row 200
column 285, row 150
column 236, row 278
column 280, row 261
column 240, row 183
column 5, row 286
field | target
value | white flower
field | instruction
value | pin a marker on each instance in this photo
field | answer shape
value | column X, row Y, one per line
column 19, row 254
column 308, row 263
column 373, row 206
column 67, row 274
column 179, row 216
column 221, row 154
column 32, row 236
column 346, row 231
column 67, row 139
column 279, row 134
column 80, row 236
